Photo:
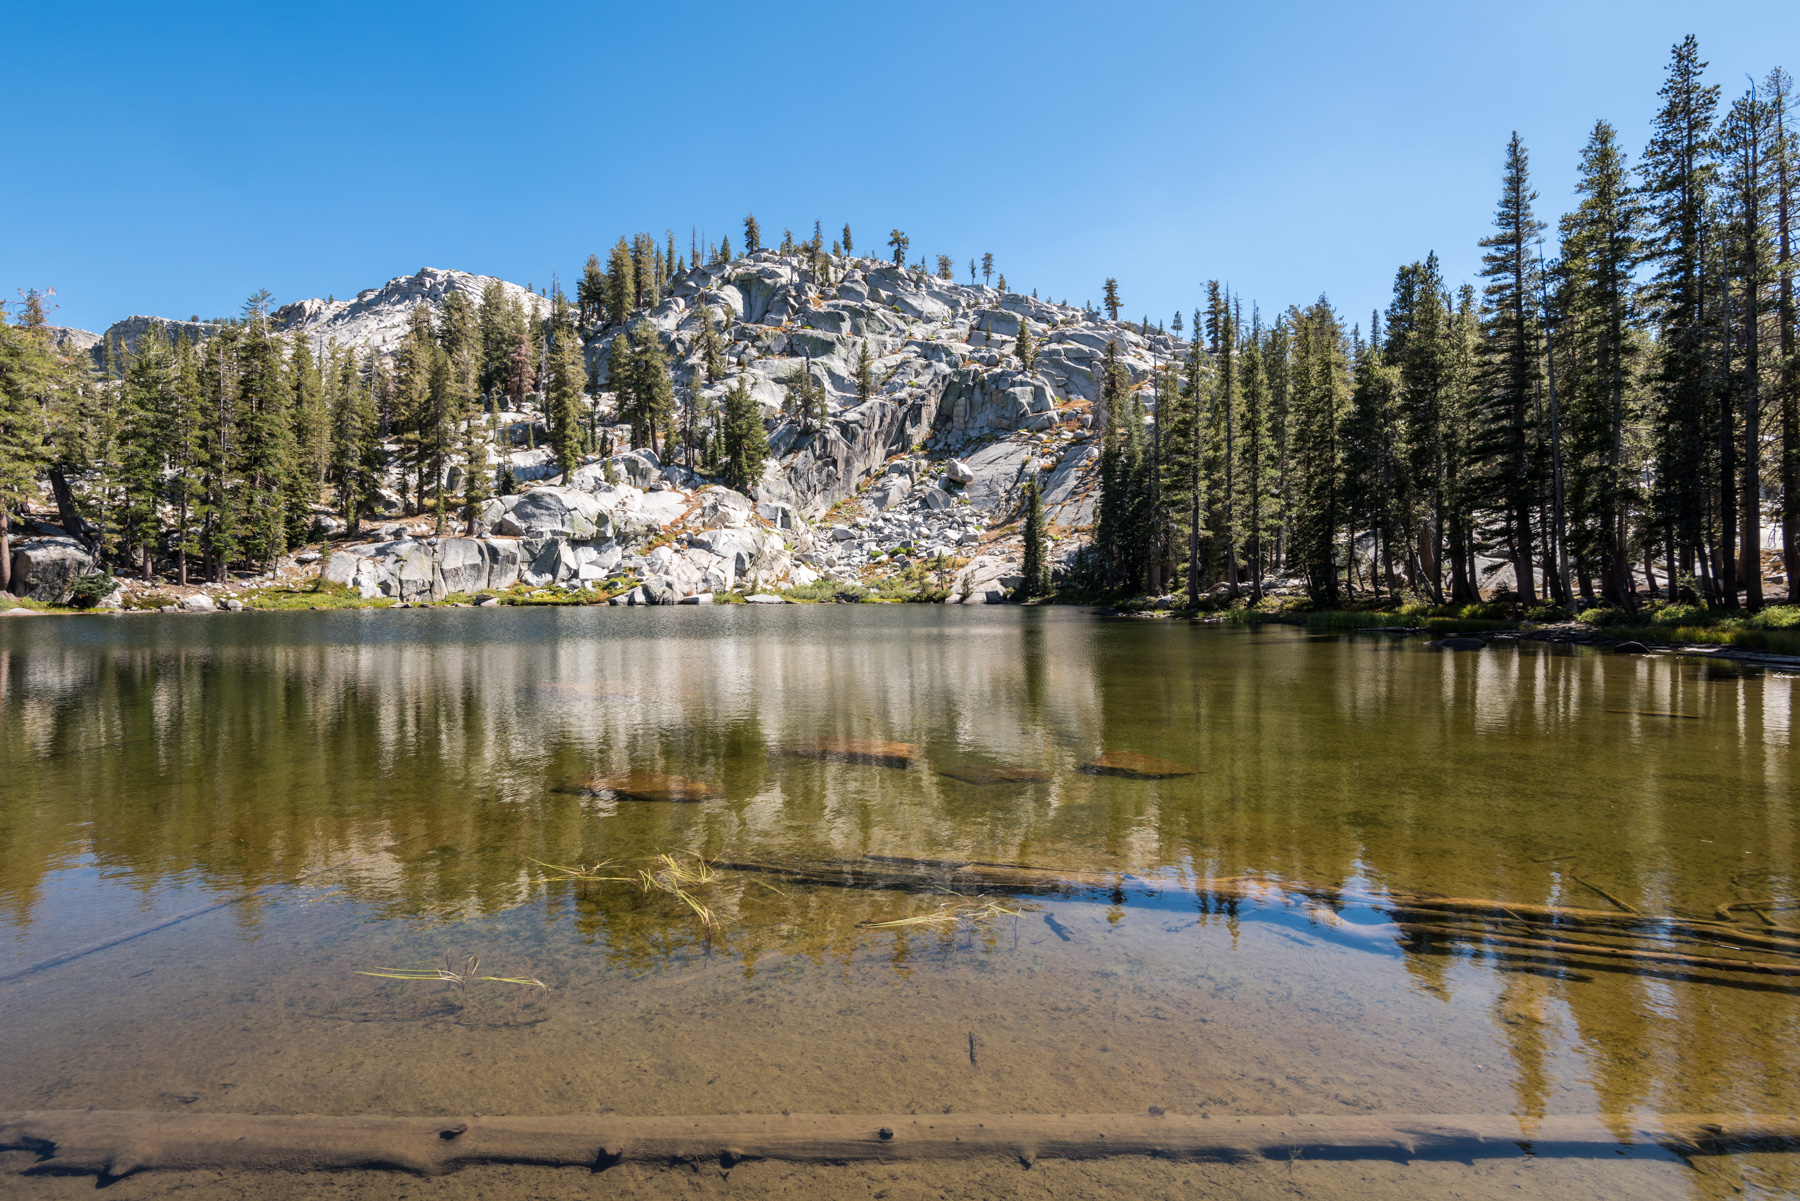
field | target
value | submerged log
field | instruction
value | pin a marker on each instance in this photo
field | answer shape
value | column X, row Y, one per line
column 972, row 773
column 117, row 1143
column 1135, row 767
column 871, row 752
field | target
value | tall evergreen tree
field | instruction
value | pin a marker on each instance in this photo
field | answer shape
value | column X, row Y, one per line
column 987, row 266
column 752, row 234
column 1678, row 170
column 1316, row 415
column 1746, row 144
column 591, row 292
column 150, row 404
column 899, row 242
column 1597, row 303
column 26, row 369
column 355, row 447
column 646, row 395
column 568, row 380
column 266, row 438
column 621, row 283
column 1784, row 166
column 1110, row 301
column 1512, row 360
column 1036, row 571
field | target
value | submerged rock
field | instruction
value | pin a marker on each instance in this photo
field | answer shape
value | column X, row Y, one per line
column 872, row 752
column 650, row 786
column 1135, row 767
column 1458, row 644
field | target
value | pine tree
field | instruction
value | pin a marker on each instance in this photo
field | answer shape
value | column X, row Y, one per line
column 567, row 381
column 646, row 395
column 149, row 402
column 355, row 445
column 1036, row 569
column 1785, row 167
column 710, row 347
column 1256, row 457
column 746, row 445
column 1598, row 356
column 500, row 322
column 215, row 510
column 621, row 283
column 752, row 234
column 26, row 368
column 1025, row 349
column 1002, row 284
column 1747, row 145
column 1512, row 360
column 849, row 246
column 591, row 292
column 412, row 407
column 1121, row 526
column 987, row 266
column 1316, row 415
column 899, row 242
column 943, row 267
column 865, row 373
column 1111, row 298
column 264, row 410
column 1678, row 172
column 312, row 434
column 184, row 453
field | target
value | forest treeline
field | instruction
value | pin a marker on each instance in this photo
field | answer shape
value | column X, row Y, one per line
column 1619, row 394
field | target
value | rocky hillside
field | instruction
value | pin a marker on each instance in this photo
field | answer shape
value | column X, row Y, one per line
column 378, row 317
column 929, row 470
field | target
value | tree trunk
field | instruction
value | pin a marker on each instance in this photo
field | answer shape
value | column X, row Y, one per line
column 5, row 550
column 67, row 515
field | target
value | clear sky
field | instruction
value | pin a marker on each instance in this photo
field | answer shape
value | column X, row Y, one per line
column 171, row 159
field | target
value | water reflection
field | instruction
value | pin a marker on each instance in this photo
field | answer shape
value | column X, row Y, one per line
column 151, row 761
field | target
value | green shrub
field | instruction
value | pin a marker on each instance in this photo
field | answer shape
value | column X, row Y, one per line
column 1679, row 615
column 1605, row 615
column 92, row 588
column 1775, row 617
column 1484, row 611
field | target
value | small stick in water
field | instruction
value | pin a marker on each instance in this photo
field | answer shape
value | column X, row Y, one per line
column 1061, row 930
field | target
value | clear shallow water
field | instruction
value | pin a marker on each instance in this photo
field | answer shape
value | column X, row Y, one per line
column 153, row 765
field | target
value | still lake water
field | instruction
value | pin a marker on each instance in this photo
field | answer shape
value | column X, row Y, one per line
column 433, row 762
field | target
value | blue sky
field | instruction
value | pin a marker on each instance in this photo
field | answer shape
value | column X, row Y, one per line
column 173, row 159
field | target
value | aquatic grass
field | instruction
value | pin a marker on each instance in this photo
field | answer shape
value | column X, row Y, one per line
column 950, row 917
column 674, row 879
column 449, row 975
column 583, row 875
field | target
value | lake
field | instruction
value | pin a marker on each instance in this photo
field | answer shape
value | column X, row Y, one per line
column 1250, row 920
